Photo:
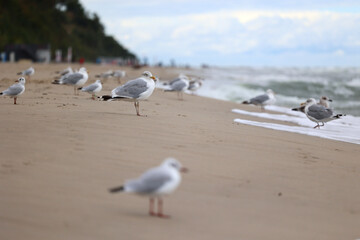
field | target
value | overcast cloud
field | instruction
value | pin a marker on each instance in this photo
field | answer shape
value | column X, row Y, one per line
column 285, row 33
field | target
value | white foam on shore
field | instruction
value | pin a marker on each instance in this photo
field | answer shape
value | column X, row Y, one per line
column 346, row 129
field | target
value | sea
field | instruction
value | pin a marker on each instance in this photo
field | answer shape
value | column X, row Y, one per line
column 292, row 86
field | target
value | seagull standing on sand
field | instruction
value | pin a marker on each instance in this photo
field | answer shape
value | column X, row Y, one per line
column 28, row 72
column 15, row 90
column 105, row 75
column 265, row 99
column 318, row 113
column 134, row 90
column 77, row 79
column 155, row 183
column 119, row 74
column 179, row 85
column 92, row 88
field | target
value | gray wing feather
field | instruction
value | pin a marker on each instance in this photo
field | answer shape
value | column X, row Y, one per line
column 131, row 89
column 178, row 85
column 319, row 112
column 14, row 89
column 72, row 78
column 149, row 182
column 90, row 88
column 259, row 99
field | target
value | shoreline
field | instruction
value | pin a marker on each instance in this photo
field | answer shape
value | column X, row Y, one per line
column 60, row 154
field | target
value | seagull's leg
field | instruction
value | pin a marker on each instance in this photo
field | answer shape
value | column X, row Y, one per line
column 14, row 100
column 317, row 126
column 136, row 104
column 323, row 124
column 74, row 89
column 151, row 207
column 160, row 209
column 93, row 96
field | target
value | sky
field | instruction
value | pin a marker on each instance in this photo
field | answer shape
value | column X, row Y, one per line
column 235, row 32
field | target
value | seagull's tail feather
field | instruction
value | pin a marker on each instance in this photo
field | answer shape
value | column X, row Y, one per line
column 1, row 93
column 245, row 102
column 97, row 76
column 339, row 115
column 105, row 98
column 116, row 189
column 19, row 73
column 79, row 88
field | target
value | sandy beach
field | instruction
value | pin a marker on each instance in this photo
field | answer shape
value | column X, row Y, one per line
column 60, row 153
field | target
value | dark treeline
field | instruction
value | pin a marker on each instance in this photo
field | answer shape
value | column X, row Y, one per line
column 60, row 23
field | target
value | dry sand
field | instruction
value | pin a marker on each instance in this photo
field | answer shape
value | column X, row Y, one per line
column 60, row 153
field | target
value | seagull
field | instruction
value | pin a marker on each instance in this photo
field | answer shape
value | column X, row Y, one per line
column 105, row 75
column 194, row 85
column 77, row 79
column 92, row 88
column 119, row 74
column 179, row 85
column 155, row 183
column 66, row 71
column 265, row 99
column 28, row 72
column 324, row 101
column 16, row 89
column 318, row 113
column 134, row 90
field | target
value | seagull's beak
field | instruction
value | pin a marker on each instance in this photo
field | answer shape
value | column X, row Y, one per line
column 184, row 170
column 154, row 78
column 16, row 80
column 303, row 104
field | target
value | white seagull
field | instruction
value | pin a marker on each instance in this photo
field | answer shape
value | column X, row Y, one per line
column 194, row 85
column 92, row 88
column 119, row 74
column 134, row 90
column 77, row 79
column 318, row 113
column 265, row 99
column 179, row 85
column 28, row 72
column 155, row 183
column 15, row 90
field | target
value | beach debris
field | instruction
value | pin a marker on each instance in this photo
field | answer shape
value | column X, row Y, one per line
column 76, row 79
column 133, row 90
column 16, row 89
column 261, row 100
column 155, row 183
column 92, row 88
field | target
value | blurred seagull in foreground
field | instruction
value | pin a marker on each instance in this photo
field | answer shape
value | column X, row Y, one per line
column 92, row 88
column 318, row 113
column 134, row 90
column 77, row 79
column 265, row 99
column 155, row 183
column 28, row 72
column 15, row 90
column 324, row 101
column 179, row 85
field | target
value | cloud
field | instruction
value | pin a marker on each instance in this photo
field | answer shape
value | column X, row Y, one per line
column 205, row 36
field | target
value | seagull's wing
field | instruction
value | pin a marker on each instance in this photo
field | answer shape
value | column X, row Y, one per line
column 131, row 89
